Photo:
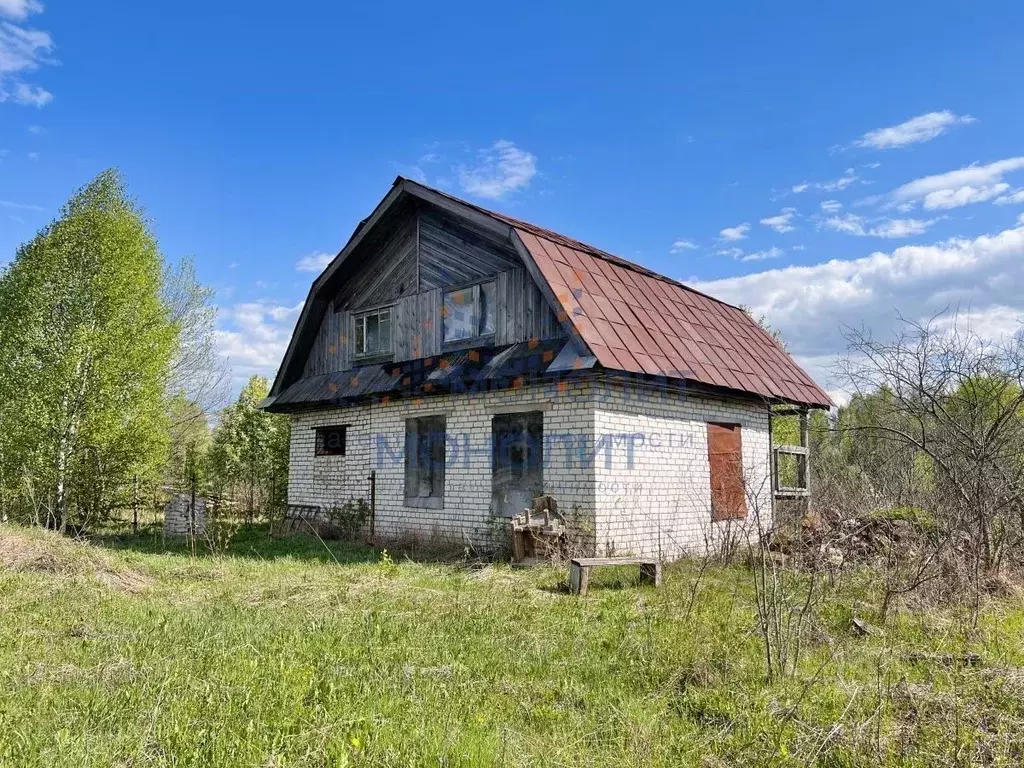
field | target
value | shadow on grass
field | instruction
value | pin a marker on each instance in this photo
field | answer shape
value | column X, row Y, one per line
column 256, row 542
column 253, row 542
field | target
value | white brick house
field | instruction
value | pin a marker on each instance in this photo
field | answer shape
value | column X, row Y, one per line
column 470, row 362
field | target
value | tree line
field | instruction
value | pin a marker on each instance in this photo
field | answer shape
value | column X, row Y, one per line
column 111, row 388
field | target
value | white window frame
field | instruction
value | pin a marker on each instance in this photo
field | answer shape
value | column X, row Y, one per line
column 359, row 319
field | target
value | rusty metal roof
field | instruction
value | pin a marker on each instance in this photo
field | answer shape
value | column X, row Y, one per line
column 638, row 321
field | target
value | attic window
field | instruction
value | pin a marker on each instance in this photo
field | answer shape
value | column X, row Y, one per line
column 469, row 313
column 373, row 333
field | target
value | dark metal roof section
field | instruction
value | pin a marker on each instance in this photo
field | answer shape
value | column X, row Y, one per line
column 472, row 370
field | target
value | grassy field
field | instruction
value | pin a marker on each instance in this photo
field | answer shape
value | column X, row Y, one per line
column 285, row 652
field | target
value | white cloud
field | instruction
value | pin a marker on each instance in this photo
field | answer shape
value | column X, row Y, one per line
column 733, row 253
column 771, row 253
column 33, row 155
column 28, row 95
column 849, row 177
column 957, row 198
column 848, row 223
column 22, row 50
column 1017, row 196
column 831, row 206
column 13, row 206
column 810, row 304
column 683, row 245
column 798, row 248
column 781, row 223
column 732, row 234
column 953, row 189
column 19, row 9
column 253, row 337
column 917, row 129
column 314, row 262
column 894, row 228
column 36, row 130
column 851, row 224
column 501, row 169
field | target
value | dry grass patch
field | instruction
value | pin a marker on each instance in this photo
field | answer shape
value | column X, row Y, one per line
column 34, row 551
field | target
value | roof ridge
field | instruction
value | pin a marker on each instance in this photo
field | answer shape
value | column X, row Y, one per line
column 571, row 242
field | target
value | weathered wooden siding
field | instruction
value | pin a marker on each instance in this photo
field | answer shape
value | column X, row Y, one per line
column 523, row 312
column 452, row 253
column 330, row 351
column 418, row 326
column 448, row 253
column 389, row 274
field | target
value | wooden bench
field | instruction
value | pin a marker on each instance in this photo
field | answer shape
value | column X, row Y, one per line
column 579, row 570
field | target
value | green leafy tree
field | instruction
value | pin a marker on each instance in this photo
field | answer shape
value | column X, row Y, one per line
column 190, row 437
column 249, row 452
column 86, row 343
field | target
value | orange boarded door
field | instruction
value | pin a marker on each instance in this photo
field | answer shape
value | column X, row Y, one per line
column 725, row 453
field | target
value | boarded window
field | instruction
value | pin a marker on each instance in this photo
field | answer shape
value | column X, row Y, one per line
column 725, row 454
column 469, row 312
column 424, row 462
column 330, row 441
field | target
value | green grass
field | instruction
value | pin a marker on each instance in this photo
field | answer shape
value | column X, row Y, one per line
column 282, row 652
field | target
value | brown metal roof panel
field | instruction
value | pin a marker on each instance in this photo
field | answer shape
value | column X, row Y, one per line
column 667, row 367
column 629, row 339
column 627, row 361
column 605, row 356
column 607, row 308
column 647, row 364
column 664, row 324
column 640, row 297
column 714, row 375
column 715, row 359
column 609, row 271
column 532, row 243
column 607, row 333
column 575, row 259
column 570, row 275
column 551, row 249
column 650, row 346
column 679, row 345
column 590, row 306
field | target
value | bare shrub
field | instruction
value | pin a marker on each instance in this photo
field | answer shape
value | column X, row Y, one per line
column 930, row 455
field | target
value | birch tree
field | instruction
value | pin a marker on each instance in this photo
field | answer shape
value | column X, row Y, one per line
column 86, row 342
column 249, row 452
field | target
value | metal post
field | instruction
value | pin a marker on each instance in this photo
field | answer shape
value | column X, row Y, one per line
column 373, row 504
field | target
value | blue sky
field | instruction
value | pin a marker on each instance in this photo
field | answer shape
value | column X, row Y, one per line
column 824, row 165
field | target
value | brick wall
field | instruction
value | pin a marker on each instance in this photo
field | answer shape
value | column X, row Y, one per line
column 376, row 440
column 632, row 463
column 182, row 519
column 657, row 501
